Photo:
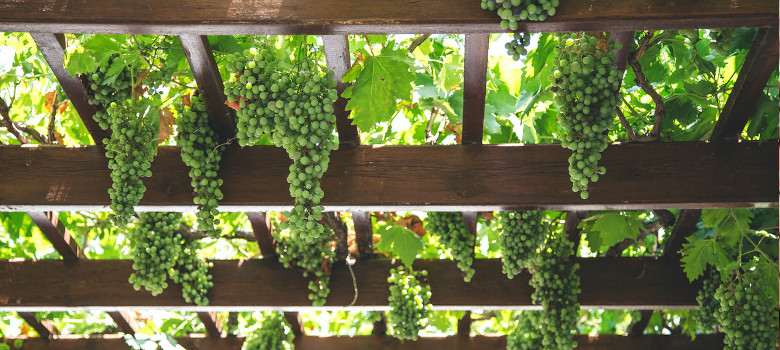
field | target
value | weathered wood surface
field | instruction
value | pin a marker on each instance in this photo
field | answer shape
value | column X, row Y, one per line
column 613, row 283
column 389, row 178
column 203, row 17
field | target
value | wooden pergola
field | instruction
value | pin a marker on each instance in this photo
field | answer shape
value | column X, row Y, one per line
column 722, row 173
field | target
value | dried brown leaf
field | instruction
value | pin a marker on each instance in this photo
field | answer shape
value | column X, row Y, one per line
column 166, row 124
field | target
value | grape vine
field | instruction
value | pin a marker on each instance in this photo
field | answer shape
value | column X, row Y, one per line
column 272, row 334
column 522, row 234
column 201, row 152
column 512, row 11
column 292, row 103
column 455, row 236
column 410, row 300
column 556, row 287
column 586, row 85
column 747, row 317
column 155, row 246
column 708, row 305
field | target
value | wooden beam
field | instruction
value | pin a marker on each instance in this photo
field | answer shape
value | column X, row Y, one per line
column 627, row 39
column 684, row 227
column 447, row 178
column 464, row 325
column 261, row 227
column 260, row 284
column 759, row 64
column 364, row 233
column 57, row 234
column 200, row 342
column 212, row 323
column 474, row 86
column 52, row 47
column 203, row 17
column 295, row 322
column 380, row 325
column 637, row 327
column 204, row 68
column 45, row 328
column 337, row 56
column 572, row 229
column 124, row 321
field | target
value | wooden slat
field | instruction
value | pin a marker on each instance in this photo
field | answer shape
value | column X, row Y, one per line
column 573, row 232
column 261, row 227
column 684, row 227
column 337, row 56
column 586, row 342
column 380, row 325
column 759, row 64
column 204, row 68
column 612, row 283
column 627, row 39
column 212, row 323
column 57, row 234
column 52, row 47
column 364, row 233
column 464, row 325
column 296, row 324
column 202, row 17
column 124, row 321
column 376, row 178
column 45, row 328
column 474, row 85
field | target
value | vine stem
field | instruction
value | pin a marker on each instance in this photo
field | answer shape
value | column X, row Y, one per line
column 641, row 80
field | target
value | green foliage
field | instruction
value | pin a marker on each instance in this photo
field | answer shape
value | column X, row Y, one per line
column 615, row 227
column 399, row 241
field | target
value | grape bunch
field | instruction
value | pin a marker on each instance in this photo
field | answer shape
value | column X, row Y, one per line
column 273, row 334
column 130, row 151
column 192, row 273
column 708, row 305
column 512, row 11
column 518, row 45
column 102, row 92
column 527, row 334
column 292, row 103
column 201, row 152
column 522, row 234
column 722, row 40
column 586, row 87
column 748, row 318
column 454, row 235
column 156, row 247
column 410, row 300
column 556, row 287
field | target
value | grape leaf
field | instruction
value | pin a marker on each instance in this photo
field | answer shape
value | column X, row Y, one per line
column 615, row 227
column 769, row 272
column 400, row 241
column 81, row 62
column 698, row 253
column 384, row 79
column 452, row 73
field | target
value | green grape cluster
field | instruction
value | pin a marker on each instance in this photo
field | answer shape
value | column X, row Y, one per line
column 708, row 305
column 130, row 151
column 102, row 92
column 201, row 152
column 556, row 286
column 455, row 236
column 273, row 334
column 410, row 300
column 522, row 234
column 155, row 246
column 722, row 40
column 527, row 334
column 512, row 11
column 192, row 273
column 518, row 45
column 747, row 317
column 292, row 103
column 586, row 87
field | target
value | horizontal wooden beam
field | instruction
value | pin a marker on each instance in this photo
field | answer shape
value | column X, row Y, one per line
column 400, row 178
column 203, row 17
column 199, row 342
column 612, row 283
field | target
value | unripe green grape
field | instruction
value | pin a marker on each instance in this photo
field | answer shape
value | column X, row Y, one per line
column 522, row 233
column 409, row 301
column 455, row 237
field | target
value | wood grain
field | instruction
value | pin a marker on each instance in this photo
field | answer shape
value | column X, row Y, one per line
column 202, row 17
column 612, row 283
column 474, row 87
column 391, row 178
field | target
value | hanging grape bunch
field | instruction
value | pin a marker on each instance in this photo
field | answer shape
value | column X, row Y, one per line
column 155, row 246
column 517, row 46
column 747, row 317
column 527, row 333
column 291, row 101
column 200, row 151
column 455, row 236
column 522, row 234
column 191, row 272
column 708, row 305
column 586, row 87
column 556, row 286
column 722, row 40
column 512, row 11
column 410, row 302
column 103, row 90
column 272, row 334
